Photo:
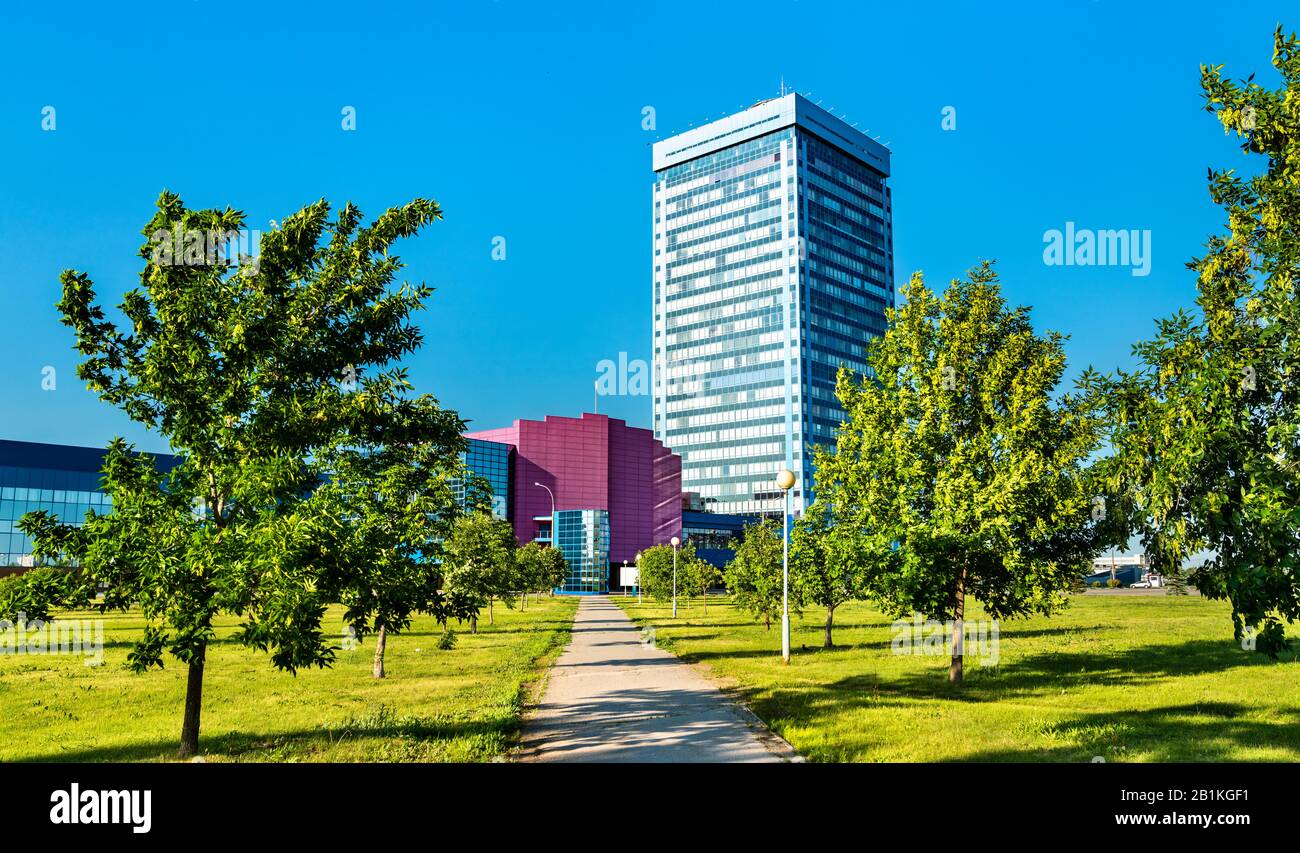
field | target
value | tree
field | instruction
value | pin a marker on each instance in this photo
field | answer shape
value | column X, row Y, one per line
column 248, row 373
column 479, row 564
column 556, row 574
column 700, row 575
column 754, row 576
column 1206, row 430
column 396, row 503
column 956, row 469
column 655, row 571
column 539, row 567
column 825, row 564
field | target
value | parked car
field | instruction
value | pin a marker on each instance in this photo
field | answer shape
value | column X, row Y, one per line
column 1151, row 580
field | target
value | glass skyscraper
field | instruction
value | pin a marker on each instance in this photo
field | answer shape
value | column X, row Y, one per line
column 773, row 265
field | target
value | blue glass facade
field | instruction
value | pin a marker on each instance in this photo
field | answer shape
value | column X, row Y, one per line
column 583, row 538
column 492, row 461
column 63, row 481
column 773, row 265
column 715, row 535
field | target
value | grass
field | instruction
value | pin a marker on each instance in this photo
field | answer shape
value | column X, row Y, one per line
column 461, row 704
column 1123, row 677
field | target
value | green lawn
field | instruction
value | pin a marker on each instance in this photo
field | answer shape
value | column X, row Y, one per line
column 461, row 704
column 1124, row 677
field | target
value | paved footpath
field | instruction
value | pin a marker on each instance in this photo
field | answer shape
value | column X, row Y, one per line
column 613, row 698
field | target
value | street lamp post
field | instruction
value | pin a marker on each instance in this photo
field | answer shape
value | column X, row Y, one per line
column 675, row 542
column 553, row 525
column 785, row 480
column 624, row 572
column 638, row 577
column 552, row 494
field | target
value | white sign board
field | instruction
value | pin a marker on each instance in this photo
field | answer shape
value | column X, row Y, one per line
column 627, row 576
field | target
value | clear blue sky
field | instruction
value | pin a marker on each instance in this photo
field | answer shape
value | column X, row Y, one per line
column 525, row 123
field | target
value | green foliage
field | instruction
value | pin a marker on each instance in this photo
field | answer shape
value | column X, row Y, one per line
column 956, row 467
column 1113, row 583
column 754, row 576
column 397, row 504
column 826, row 563
column 1206, row 429
column 655, row 570
column 35, row 593
column 479, row 565
column 701, row 575
column 540, row 567
column 1175, row 582
column 250, row 374
column 447, row 640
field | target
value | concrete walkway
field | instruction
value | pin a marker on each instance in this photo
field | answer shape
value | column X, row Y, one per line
column 612, row 697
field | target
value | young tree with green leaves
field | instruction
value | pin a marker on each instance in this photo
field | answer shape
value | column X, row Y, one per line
column 701, row 575
column 1206, row 430
column 825, row 563
column 754, row 577
column 539, row 567
column 655, row 570
column 479, row 565
column 248, row 372
column 958, row 468
column 395, row 502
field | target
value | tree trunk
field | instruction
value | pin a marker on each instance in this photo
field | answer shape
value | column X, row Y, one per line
column 830, row 616
column 523, row 600
column 491, row 621
column 706, row 602
column 193, row 707
column 473, row 624
column 381, row 642
column 767, row 621
column 958, row 630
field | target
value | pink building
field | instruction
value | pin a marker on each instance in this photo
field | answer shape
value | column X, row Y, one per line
column 593, row 463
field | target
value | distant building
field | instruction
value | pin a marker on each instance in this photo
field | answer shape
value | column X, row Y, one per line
column 1104, row 564
column 62, row 480
column 715, row 535
column 1127, row 569
column 617, row 491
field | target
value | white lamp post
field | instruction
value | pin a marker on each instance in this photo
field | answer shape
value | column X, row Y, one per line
column 638, row 577
column 675, row 542
column 552, row 494
column 785, row 480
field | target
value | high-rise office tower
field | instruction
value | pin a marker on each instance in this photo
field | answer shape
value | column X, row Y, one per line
column 773, row 265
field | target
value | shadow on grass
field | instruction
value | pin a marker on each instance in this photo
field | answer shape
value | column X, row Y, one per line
column 1207, row 731
column 304, row 743
column 1204, row 731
